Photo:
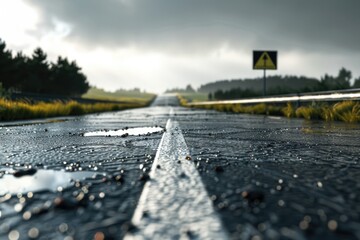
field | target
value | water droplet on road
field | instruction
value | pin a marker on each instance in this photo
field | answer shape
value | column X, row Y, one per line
column 14, row 235
column 33, row 233
column 332, row 225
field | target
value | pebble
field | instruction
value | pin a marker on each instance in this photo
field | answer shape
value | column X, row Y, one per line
column 24, row 172
column 118, row 178
column 66, row 203
column 129, row 227
column 253, row 197
column 144, row 177
column 219, row 169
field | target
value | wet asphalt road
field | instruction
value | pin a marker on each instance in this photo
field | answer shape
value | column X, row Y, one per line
column 268, row 178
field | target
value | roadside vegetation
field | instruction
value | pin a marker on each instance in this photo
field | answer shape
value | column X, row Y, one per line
column 346, row 111
column 33, row 77
column 121, row 95
column 20, row 110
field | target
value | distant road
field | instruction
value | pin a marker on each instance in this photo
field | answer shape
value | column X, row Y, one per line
column 210, row 175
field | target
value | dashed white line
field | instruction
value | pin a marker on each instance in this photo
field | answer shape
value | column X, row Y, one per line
column 174, row 203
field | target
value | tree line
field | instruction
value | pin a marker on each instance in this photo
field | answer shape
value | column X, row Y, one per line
column 35, row 74
column 279, row 85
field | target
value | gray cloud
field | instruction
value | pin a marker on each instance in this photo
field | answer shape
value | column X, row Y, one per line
column 198, row 25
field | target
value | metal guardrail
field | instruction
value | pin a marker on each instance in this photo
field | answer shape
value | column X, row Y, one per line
column 325, row 96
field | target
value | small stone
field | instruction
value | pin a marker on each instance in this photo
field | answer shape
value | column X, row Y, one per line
column 304, row 225
column 183, row 175
column 14, row 235
column 144, row 177
column 66, row 204
column 124, row 135
column 99, row 236
column 145, row 214
column 33, row 233
column 118, row 178
column 129, row 227
column 24, row 172
column 332, row 225
column 253, row 197
column 40, row 210
column 190, row 234
column 219, row 169
column 63, row 227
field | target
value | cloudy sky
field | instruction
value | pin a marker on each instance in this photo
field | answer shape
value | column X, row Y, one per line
column 160, row 44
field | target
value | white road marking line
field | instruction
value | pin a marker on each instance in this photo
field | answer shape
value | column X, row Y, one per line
column 174, row 203
column 130, row 131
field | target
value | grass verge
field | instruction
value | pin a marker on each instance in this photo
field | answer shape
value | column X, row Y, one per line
column 20, row 110
column 122, row 96
column 346, row 111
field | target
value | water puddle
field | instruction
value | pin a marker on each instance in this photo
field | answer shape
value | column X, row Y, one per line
column 126, row 132
column 41, row 180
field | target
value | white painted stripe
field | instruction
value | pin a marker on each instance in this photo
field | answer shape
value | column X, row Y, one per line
column 175, row 202
column 335, row 96
column 130, row 131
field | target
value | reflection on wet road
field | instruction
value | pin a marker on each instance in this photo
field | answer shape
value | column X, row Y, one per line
column 268, row 178
column 274, row 178
column 78, row 208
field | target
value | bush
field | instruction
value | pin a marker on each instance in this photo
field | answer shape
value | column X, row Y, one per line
column 15, row 110
column 308, row 112
column 289, row 110
column 347, row 111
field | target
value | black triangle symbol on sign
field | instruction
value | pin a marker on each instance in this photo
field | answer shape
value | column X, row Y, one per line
column 265, row 62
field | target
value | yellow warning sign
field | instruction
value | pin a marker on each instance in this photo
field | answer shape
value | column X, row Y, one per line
column 265, row 60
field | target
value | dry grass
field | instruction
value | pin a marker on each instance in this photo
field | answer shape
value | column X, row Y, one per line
column 308, row 112
column 183, row 101
column 346, row 111
column 17, row 110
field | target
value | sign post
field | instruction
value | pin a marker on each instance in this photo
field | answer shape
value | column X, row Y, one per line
column 263, row 60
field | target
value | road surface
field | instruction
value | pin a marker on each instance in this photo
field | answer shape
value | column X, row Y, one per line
column 199, row 175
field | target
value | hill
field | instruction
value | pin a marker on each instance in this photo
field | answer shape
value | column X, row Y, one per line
column 274, row 84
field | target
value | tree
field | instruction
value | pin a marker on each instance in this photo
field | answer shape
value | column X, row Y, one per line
column 343, row 79
column 235, row 93
column 38, row 80
column 357, row 83
column 6, row 66
column 189, row 88
column 21, row 71
column 67, row 78
column 3, row 92
column 37, row 75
